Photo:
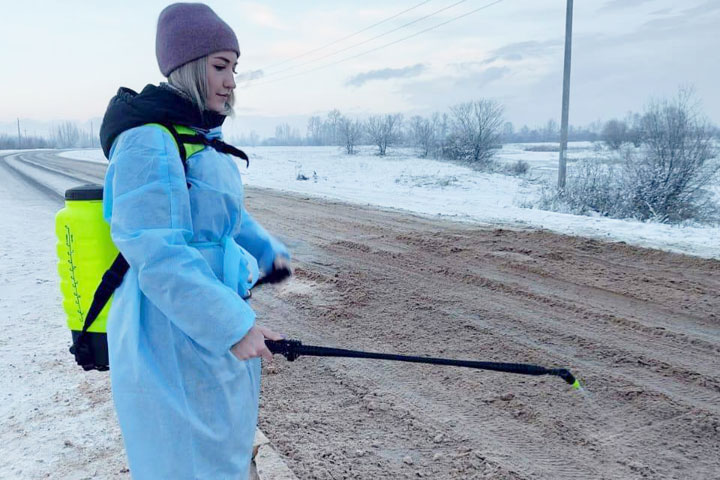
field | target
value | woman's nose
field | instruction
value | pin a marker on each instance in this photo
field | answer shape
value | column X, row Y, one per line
column 230, row 82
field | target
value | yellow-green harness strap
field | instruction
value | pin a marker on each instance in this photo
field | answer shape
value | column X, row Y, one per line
column 189, row 142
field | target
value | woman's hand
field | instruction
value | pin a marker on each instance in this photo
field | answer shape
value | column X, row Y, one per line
column 281, row 270
column 280, row 262
column 253, row 344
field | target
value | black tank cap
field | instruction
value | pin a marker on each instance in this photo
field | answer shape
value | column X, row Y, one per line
column 91, row 191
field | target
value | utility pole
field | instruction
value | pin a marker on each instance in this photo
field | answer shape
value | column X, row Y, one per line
column 92, row 136
column 19, row 138
column 565, row 97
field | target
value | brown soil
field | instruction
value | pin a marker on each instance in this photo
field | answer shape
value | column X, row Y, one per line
column 639, row 327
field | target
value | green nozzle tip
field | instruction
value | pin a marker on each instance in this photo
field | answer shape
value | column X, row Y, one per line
column 577, row 385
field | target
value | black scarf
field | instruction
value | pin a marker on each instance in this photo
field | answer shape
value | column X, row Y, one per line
column 129, row 109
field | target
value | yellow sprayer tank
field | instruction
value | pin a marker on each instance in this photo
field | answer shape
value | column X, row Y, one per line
column 85, row 251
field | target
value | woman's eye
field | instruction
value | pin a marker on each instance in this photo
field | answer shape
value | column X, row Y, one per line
column 219, row 68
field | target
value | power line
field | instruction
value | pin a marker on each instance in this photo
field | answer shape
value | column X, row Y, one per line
column 380, row 47
column 344, row 38
column 369, row 39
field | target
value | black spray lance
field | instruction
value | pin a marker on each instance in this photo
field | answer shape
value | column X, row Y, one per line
column 292, row 349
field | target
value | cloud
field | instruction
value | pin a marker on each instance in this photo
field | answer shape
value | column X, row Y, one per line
column 386, row 74
column 262, row 15
column 249, row 75
column 440, row 92
column 519, row 50
column 620, row 4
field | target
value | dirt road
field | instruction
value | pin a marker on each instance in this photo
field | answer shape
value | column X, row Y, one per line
column 641, row 328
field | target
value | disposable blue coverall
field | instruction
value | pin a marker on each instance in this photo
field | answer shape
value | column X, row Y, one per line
column 186, row 405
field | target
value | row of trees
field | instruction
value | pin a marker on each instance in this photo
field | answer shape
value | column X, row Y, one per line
column 469, row 131
column 415, row 131
column 65, row 135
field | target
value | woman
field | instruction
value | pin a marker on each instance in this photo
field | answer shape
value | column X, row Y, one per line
column 183, row 343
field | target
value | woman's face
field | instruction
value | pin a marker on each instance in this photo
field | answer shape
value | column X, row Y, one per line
column 220, row 79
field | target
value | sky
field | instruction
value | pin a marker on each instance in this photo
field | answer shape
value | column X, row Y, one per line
column 65, row 60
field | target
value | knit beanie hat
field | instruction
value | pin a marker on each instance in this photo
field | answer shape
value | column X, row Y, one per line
column 188, row 31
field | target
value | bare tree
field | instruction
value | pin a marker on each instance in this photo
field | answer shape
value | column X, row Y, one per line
column 634, row 128
column 422, row 134
column 350, row 132
column 614, row 134
column 508, row 131
column 551, row 131
column 253, row 138
column 441, row 133
column 475, row 131
column 667, row 181
column 67, row 135
column 333, row 122
column 384, row 131
column 314, row 131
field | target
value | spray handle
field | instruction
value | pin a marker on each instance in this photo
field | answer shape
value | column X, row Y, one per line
column 290, row 349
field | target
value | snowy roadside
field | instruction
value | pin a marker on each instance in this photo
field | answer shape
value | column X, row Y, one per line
column 93, row 155
column 57, row 421
column 425, row 186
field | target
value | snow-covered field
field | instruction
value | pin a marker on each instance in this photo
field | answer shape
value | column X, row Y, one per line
column 403, row 181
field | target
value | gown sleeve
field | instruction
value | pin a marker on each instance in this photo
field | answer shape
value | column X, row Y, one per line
column 261, row 245
column 151, row 224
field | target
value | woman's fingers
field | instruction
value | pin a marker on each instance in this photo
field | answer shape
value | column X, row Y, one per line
column 253, row 345
column 266, row 354
column 281, row 262
column 270, row 334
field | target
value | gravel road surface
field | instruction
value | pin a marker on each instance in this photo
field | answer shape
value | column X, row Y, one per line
column 639, row 327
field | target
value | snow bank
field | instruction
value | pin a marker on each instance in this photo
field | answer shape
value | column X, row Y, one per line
column 93, row 155
column 426, row 186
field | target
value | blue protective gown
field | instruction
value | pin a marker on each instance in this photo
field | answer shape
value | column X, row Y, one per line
column 186, row 406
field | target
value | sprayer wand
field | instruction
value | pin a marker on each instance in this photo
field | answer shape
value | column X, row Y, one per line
column 292, row 349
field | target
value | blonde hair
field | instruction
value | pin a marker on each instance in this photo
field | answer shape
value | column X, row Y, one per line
column 191, row 79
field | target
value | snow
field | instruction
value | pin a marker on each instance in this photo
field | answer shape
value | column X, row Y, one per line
column 54, row 182
column 403, row 181
column 93, row 155
column 57, row 421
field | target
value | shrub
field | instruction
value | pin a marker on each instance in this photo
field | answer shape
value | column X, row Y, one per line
column 475, row 131
column 521, row 167
column 665, row 180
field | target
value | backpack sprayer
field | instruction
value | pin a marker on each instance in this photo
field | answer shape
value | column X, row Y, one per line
column 292, row 349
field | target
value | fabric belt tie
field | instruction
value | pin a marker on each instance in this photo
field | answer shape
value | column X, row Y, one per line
column 238, row 265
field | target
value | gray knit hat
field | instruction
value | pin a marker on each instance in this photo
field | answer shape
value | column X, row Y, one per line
column 188, row 31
